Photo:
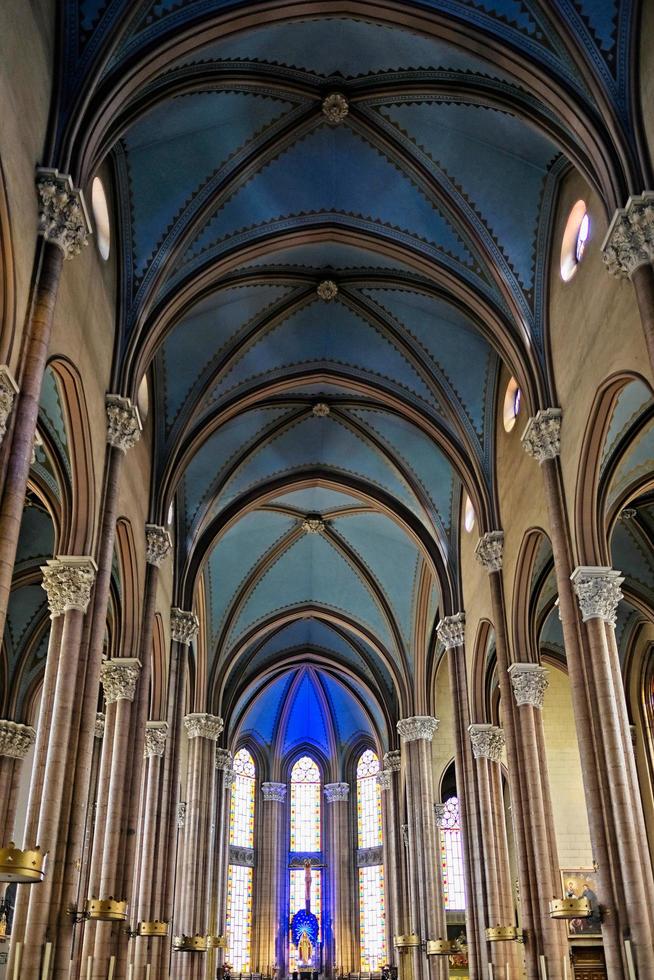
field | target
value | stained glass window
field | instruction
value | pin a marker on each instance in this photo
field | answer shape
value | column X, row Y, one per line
column 452, row 856
column 372, row 917
column 369, row 818
column 297, row 896
column 241, row 816
column 239, row 917
column 305, row 806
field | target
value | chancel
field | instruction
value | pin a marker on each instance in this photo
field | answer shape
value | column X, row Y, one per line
column 326, row 490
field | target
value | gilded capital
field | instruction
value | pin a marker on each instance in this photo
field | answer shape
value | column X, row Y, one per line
column 490, row 550
column 542, row 436
column 337, row 792
column 200, row 725
column 529, row 684
column 183, row 626
column 487, row 742
column 157, row 544
column 629, row 242
column 418, row 727
column 123, row 422
column 8, row 392
column 15, row 739
column 99, row 725
column 451, row 631
column 598, row 591
column 119, row 677
column 274, row 792
column 68, row 581
column 156, row 733
column 393, row 760
column 63, row 218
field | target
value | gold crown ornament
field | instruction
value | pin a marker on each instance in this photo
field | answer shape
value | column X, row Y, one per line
column 408, row 941
column 190, row 944
column 155, row 927
column 502, row 934
column 106, row 909
column 442, row 947
column 216, row 942
column 25, row 867
column 570, row 908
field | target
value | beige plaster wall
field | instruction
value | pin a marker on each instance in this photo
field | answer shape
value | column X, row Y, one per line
column 443, row 742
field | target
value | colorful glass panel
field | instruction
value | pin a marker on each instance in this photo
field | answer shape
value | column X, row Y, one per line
column 369, row 816
column 297, row 902
column 452, row 856
column 239, row 917
column 241, row 814
column 305, row 806
column 372, row 928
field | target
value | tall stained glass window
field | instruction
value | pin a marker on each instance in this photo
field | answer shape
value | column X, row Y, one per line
column 305, row 839
column 239, row 877
column 452, row 856
column 372, row 912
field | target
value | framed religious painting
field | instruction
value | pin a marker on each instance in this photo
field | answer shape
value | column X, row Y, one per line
column 582, row 883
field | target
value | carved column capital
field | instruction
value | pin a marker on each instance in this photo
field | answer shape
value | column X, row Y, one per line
column 451, row 631
column 337, row 792
column 15, row 739
column 542, row 436
column 439, row 813
column 99, row 725
column 629, row 242
column 384, row 779
column 63, row 218
column 274, row 792
column 393, row 760
column 598, row 591
column 181, row 814
column 201, row 725
column 123, row 422
column 8, row 392
column 490, row 550
column 156, row 733
column 529, row 684
column 119, row 677
column 157, row 544
column 418, row 727
column 487, row 742
column 68, row 581
column 183, row 626
column 223, row 759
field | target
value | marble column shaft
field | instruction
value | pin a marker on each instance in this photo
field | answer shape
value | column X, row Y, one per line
column 270, row 869
column 224, row 785
column 340, row 851
column 393, row 849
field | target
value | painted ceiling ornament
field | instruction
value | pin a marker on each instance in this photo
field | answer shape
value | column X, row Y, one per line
column 157, row 544
column 327, row 290
column 15, row 739
column 313, row 524
column 487, row 742
column 321, row 410
column 184, row 626
column 490, row 549
column 629, row 242
column 451, row 631
column 337, row 792
column 542, row 436
column 529, row 684
column 156, row 733
column 274, row 792
column 439, row 813
column 598, row 591
column 63, row 218
column 68, row 581
column 8, row 392
column 181, row 815
column 335, row 108
column 123, row 422
column 223, row 759
column 418, row 727
column 119, row 677
column 201, row 725
column 384, row 779
column 393, row 760
column 99, row 725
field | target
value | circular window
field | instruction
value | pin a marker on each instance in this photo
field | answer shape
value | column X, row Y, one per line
column 469, row 517
column 575, row 239
column 512, row 401
column 143, row 398
column 101, row 218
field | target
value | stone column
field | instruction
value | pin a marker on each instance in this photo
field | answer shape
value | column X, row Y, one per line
column 270, row 869
column 451, row 633
column 15, row 742
column 68, row 582
column 340, row 862
column 64, row 227
column 529, row 685
column 542, row 440
column 628, row 252
column 218, row 907
column 155, row 746
column 395, row 858
column 427, row 912
column 598, row 591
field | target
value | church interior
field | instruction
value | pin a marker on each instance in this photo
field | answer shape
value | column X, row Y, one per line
column 326, row 489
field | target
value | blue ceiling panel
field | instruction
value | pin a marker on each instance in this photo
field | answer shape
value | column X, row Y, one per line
column 349, row 718
column 263, row 715
column 307, row 720
column 316, row 500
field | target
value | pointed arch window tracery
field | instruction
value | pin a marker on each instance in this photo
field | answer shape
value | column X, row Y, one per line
column 239, row 876
column 372, row 910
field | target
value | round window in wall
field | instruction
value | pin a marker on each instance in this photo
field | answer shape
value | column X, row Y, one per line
column 512, row 400
column 575, row 239
column 468, row 515
column 101, row 218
